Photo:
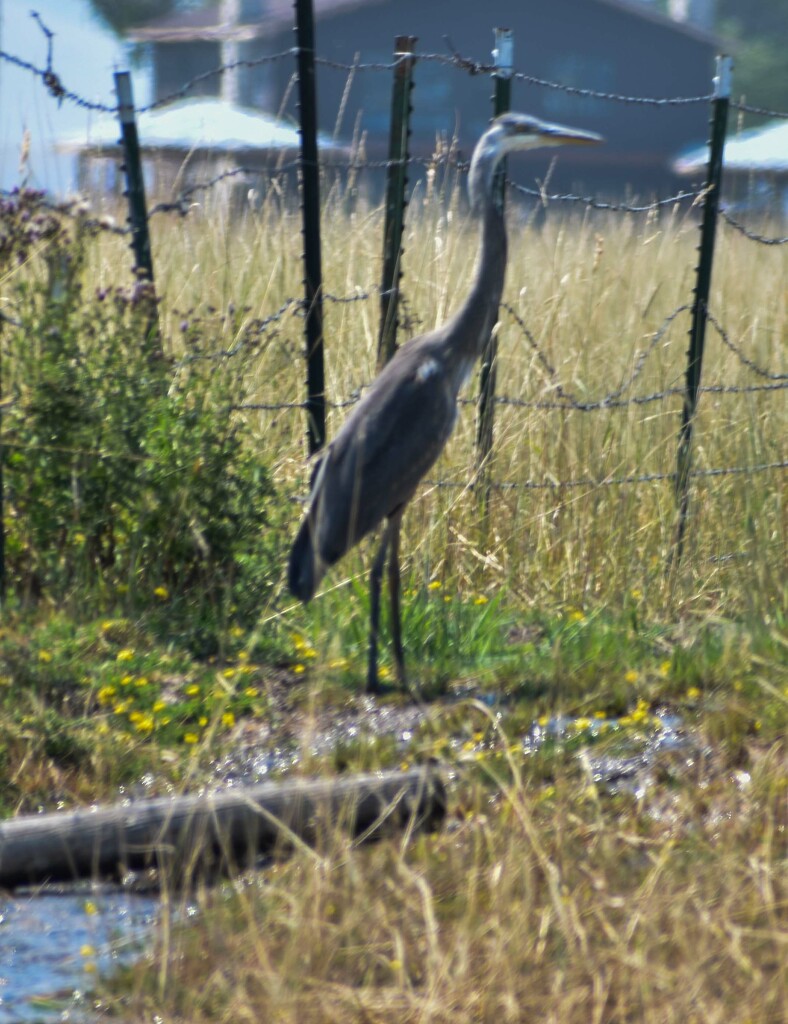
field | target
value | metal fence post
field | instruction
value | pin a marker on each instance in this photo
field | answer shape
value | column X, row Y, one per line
column 708, row 227
column 310, row 209
column 396, row 182
column 503, row 56
column 135, row 193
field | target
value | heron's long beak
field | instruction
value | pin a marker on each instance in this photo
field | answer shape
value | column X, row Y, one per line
column 560, row 135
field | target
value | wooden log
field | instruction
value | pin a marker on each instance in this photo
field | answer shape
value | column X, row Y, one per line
column 214, row 831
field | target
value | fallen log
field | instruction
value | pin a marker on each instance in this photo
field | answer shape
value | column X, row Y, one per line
column 214, row 831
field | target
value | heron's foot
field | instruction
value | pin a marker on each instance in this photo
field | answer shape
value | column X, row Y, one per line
column 378, row 688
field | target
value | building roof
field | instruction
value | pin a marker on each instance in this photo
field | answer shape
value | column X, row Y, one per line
column 197, row 124
column 206, row 23
column 762, row 149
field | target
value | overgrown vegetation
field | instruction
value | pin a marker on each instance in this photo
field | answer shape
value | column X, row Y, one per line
column 150, row 497
column 126, row 473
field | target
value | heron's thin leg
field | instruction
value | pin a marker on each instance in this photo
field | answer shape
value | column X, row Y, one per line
column 375, row 579
column 394, row 593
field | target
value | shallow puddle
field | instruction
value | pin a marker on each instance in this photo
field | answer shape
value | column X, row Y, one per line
column 53, row 944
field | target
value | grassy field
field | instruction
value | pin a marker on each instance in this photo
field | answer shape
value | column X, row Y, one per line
column 547, row 896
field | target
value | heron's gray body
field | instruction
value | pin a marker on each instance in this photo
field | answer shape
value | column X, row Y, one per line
column 371, row 469
column 399, row 429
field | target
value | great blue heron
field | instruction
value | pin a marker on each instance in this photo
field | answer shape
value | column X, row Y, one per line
column 371, row 469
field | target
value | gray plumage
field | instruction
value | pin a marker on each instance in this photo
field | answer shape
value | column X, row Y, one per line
column 371, row 469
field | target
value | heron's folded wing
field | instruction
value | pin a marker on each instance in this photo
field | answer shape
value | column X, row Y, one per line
column 381, row 453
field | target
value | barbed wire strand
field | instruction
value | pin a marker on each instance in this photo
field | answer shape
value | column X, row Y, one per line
column 53, row 84
column 570, row 400
column 747, row 108
column 749, row 363
column 536, row 403
column 622, row 481
column 763, row 239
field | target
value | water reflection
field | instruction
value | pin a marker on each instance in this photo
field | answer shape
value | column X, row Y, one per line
column 53, row 944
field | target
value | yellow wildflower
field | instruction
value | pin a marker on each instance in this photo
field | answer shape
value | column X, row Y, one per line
column 161, row 592
column 125, row 655
column 192, row 690
column 228, row 719
column 191, row 737
column 45, row 656
column 631, row 676
column 435, row 585
column 480, row 599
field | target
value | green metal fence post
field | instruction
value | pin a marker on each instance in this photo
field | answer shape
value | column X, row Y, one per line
column 310, row 209
column 503, row 56
column 135, row 194
column 396, row 182
column 708, row 227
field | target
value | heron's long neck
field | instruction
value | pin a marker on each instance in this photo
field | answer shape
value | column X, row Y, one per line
column 476, row 317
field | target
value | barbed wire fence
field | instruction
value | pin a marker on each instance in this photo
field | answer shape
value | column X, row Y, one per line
column 390, row 296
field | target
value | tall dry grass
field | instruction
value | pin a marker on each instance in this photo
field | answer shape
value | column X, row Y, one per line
column 534, row 905
column 555, row 904
column 592, row 291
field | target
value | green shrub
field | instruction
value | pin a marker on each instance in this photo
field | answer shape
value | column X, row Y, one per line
column 127, row 476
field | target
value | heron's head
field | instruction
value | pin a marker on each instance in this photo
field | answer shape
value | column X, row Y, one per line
column 512, row 132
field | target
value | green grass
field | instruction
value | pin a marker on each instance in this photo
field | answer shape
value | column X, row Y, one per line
column 546, row 897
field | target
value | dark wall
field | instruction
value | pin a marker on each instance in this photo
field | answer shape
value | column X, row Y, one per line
column 576, row 42
column 177, row 63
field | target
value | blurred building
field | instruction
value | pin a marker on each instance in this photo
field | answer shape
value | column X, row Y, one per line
column 190, row 143
column 613, row 46
column 755, row 169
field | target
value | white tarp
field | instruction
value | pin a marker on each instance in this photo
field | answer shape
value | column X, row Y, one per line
column 195, row 124
column 763, row 150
